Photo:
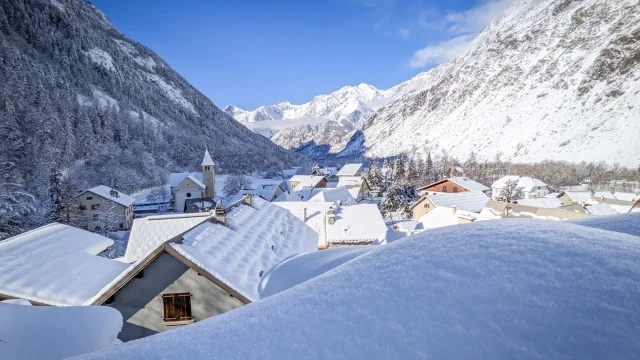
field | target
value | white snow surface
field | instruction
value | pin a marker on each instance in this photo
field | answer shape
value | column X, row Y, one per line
column 623, row 223
column 473, row 201
column 446, row 216
column 504, row 289
column 303, row 267
column 173, row 93
column 56, row 264
column 349, row 170
column 545, row 202
column 525, row 183
column 256, row 239
column 356, row 223
column 332, row 195
column 47, row 332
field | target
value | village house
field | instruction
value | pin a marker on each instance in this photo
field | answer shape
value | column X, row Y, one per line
column 356, row 185
column 189, row 267
column 102, row 207
column 471, row 201
column 297, row 182
column 56, row 265
column 575, row 197
column 445, row 216
column 268, row 192
column 337, row 225
column 189, row 186
column 529, row 187
column 453, row 185
column 350, row 170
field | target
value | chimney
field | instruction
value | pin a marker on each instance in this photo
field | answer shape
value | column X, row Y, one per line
column 304, row 215
column 247, row 199
column 332, row 219
column 114, row 193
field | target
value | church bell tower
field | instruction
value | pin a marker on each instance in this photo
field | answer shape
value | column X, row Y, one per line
column 208, row 175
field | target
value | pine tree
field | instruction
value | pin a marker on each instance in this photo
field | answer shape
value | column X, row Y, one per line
column 429, row 172
column 389, row 204
column 315, row 170
column 400, row 174
column 471, row 166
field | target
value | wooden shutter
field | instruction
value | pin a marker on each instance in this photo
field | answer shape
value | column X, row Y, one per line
column 177, row 307
column 183, row 308
column 169, row 301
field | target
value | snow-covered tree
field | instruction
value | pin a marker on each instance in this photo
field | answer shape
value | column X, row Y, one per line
column 400, row 174
column 510, row 191
column 315, row 170
column 429, row 172
column 15, row 204
column 374, row 176
column 412, row 172
column 235, row 183
column 390, row 202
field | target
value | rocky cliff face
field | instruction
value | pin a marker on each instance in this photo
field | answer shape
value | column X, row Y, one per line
column 552, row 79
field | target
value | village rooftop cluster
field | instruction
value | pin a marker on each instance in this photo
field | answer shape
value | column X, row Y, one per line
column 203, row 253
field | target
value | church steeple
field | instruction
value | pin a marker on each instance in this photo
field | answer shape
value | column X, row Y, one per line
column 208, row 175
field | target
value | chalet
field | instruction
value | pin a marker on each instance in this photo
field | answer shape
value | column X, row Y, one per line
column 186, row 186
column 187, row 268
column 337, row 225
column 357, row 186
column 56, row 265
column 529, row 187
column 268, row 192
column 453, row 185
column 312, row 181
column 102, row 207
column 350, row 170
column 471, row 201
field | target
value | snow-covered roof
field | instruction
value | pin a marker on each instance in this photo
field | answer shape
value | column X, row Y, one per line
column 256, row 239
column 626, row 196
column 350, row 181
column 504, row 289
column 307, row 180
column 150, row 232
column 496, row 208
column 207, row 160
column 464, row 182
column 290, row 172
column 332, row 195
column 473, row 201
column 604, row 194
column 524, row 183
column 48, row 332
column 600, row 209
column 445, row 216
column 288, row 196
column 578, row 197
column 543, row 202
column 349, row 170
column 176, row 178
column 316, row 216
column 56, row 264
column 356, row 224
column 105, row 192
column 306, row 266
column 266, row 191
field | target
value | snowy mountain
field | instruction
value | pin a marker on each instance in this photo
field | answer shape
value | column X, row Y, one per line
column 325, row 120
column 79, row 97
column 550, row 79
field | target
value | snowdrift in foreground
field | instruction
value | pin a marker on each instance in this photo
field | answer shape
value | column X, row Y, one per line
column 43, row 332
column 624, row 223
column 504, row 289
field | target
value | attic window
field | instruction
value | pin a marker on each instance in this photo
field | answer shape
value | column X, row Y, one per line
column 89, row 197
column 177, row 307
column 455, row 189
column 444, row 189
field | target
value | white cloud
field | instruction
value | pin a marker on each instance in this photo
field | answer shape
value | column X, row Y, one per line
column 441, row 52
column 476, row 19
column 404, row 33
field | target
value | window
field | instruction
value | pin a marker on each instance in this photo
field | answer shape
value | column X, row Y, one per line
column 89, row 197
column 427, row 206
column 177, row 307
column 444, row 189
column 95, row 216
column 95, row 206
column 206, row 168
column 455, row 189
column 188, row 194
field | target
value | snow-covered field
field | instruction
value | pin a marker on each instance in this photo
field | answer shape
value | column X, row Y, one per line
column 504, row 289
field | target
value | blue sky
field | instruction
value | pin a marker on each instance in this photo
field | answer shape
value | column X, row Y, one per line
column 252, row 53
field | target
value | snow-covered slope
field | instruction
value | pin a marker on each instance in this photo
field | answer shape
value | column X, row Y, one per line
column 503, row 289
column 551, row 79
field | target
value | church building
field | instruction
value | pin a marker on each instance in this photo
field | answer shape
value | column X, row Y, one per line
column 195, row 185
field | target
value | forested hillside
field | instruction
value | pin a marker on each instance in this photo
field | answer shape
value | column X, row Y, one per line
column 82, row 105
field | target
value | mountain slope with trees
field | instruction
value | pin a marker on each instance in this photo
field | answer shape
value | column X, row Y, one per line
column 82, row 105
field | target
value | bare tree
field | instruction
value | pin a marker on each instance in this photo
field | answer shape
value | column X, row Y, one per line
column 510, row 191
